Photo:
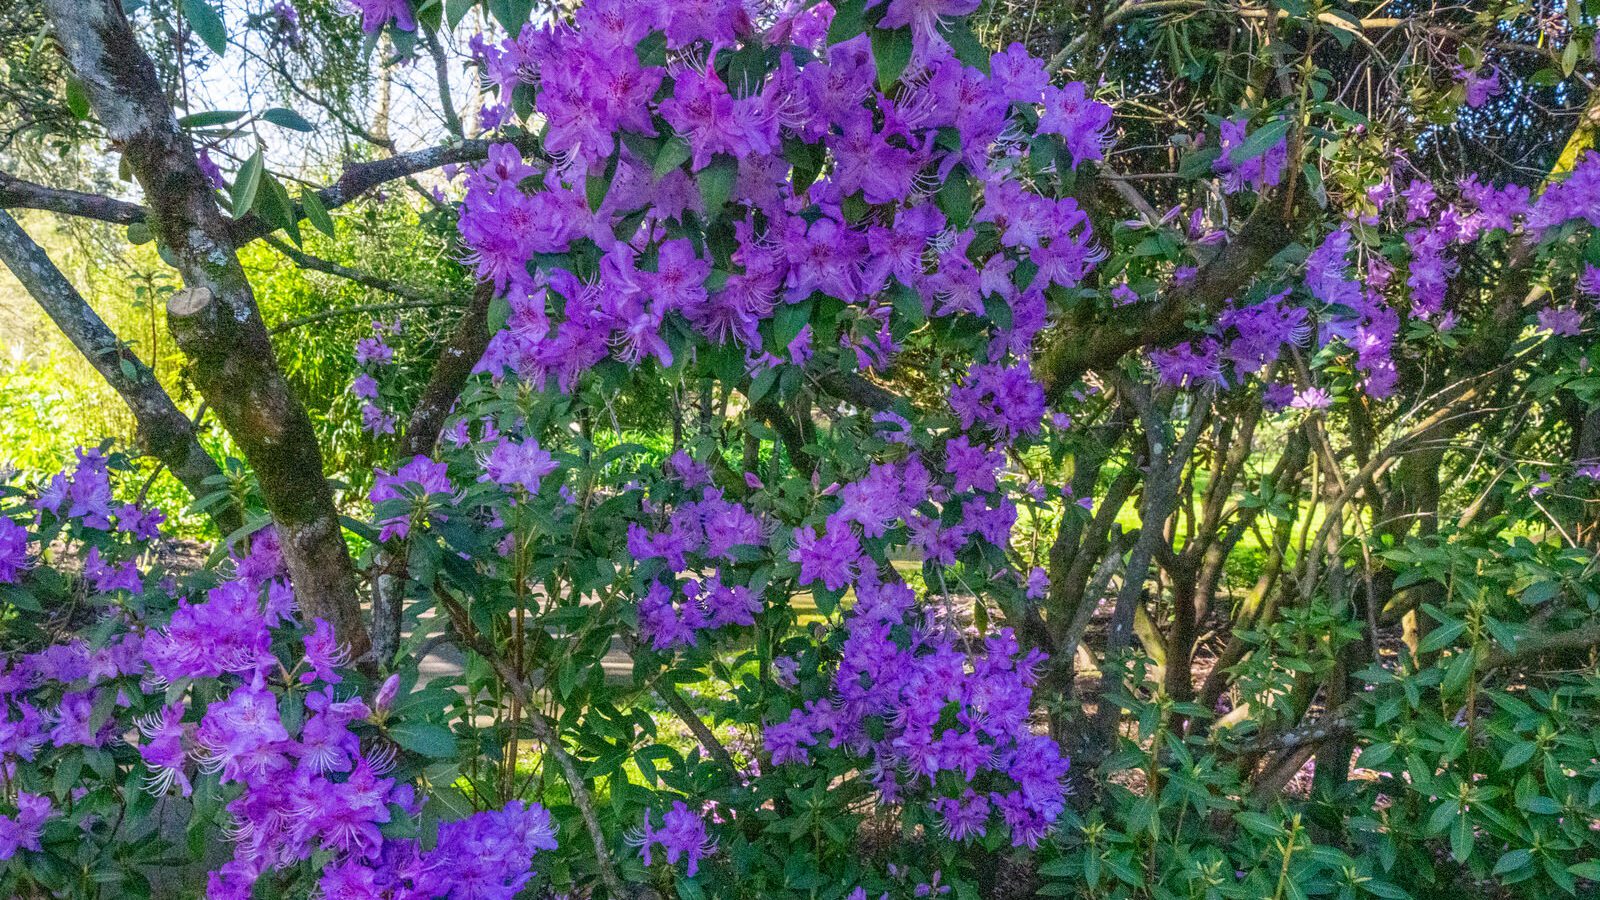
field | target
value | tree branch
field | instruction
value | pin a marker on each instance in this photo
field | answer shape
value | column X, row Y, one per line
column 358, row 178
column 359, row 309
column 164, row 431
column 18, row 194
column 468, row 637
column 214, row 320
column 317, row 264
column 1071, row 352
column 450, row 373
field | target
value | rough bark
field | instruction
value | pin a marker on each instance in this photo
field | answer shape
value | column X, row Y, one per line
column 18, row 194
column 354, row 181
column 214, row 319
column 450, row 372
column 164, row 431
column 1073, row 351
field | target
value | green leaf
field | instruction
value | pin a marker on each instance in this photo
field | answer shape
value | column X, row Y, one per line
column 1441, row 637
column 1461, row 839
column 246, row 184
column 1539, row 805
column 456, row 10
column 210, row 118
column 955, row 198
column 1513, row 860
column 1260, row 141
column 275, row 207
column 499, row 313
column 424, row 738
column 1519, row 753
column 287, row 118
column 140, row 233
column 849, row 20
column 77, row 99
column 207, row 24
column 891, row 50
column 716, row 184
column 316, row 213
column 674, row 153
column 966, row 45
column 1589, row 870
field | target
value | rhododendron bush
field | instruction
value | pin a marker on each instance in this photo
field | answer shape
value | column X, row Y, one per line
column 1041, row 512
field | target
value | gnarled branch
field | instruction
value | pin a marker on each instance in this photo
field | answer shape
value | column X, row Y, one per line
column 164, row 431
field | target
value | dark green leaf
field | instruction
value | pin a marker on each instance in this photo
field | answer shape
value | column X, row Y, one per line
column 316, row 213
column 716, row 184
column 210, row 118
column 891, row 50
column 207, row 24
column 424, row 738
column 246, row 184
column 287, row 118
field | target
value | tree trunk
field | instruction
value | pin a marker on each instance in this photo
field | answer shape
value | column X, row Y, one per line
column 215, row 320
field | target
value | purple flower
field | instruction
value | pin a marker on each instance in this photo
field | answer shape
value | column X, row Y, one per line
column 22, row 831
column 487, row 854
column 208, row 168
column 108, row 576
column 1589, row 281
column 13, row 551
column 1007, row 400
column 1277, row 395
column 518, row 464
column 1020, row 75
column 377, row 13
column 365, row 387
column 163, row 750
column 963, row 818
column 422, row 481
column 1479, row 87
column 682, row 835
column 973, row 465
column 1567, row 321
column 1311, row 398
column 1038, row 583
column 832, row 557
column 1079, row 120
column 1189, row 364
column 324, row 654
column 1256, row 173
column 242, row 736
column 375, row 421
column 373, row 350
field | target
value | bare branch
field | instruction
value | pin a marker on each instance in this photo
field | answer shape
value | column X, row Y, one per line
column 317, row 264
column 18, row 194
column 164, row 431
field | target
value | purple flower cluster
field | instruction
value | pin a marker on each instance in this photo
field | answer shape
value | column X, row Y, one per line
column 22, row 831
column 315, row 784
column 933, row 715
column 13, row 551
column 1256, row 172
column 681, row 835
column 701, row 535
column 1575, row 197
column 421, row 481
column 794, row 238
column 707, row 604
column 372, row 354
